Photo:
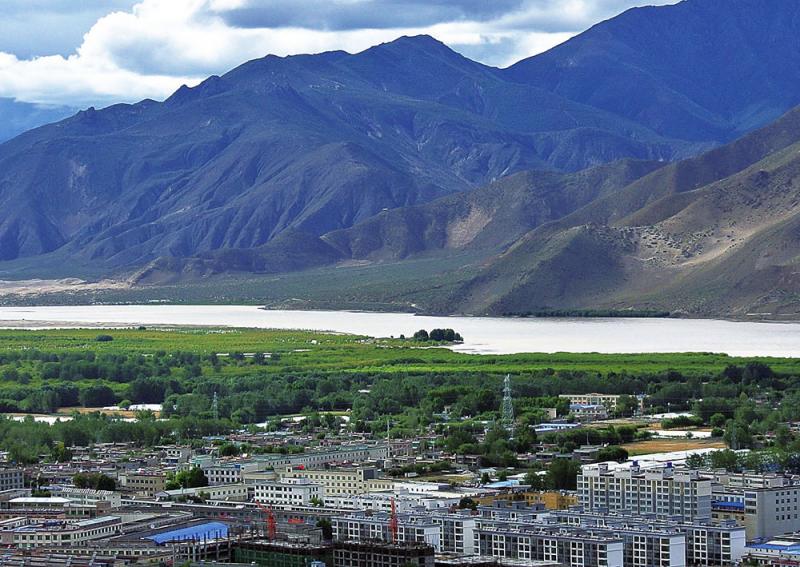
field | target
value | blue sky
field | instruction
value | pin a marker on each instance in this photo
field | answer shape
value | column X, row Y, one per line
column 96, row 52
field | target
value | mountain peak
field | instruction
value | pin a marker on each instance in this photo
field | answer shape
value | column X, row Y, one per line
column 414, row 45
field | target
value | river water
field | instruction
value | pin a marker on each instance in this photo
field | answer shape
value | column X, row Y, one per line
column 483, row 335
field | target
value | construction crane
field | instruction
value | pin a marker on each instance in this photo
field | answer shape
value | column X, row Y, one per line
column 393, row 524
column 272, row 524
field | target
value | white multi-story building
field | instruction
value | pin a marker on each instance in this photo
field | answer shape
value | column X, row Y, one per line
column 342, row 480
column 88, row 496
column 457, row 533
column 588, row 412
column 703, row 543
column 373, row 502
column 661, row 491
column 362, row 527
column 607, row 400
column 289, row 493
column 231, row 473
column 573, row 548
column 517, row 532
column 220, row 492
column 63, row 534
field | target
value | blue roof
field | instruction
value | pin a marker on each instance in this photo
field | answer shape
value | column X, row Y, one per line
column 209, row 530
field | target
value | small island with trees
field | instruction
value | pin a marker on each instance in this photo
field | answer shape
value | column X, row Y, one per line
column 437, row 336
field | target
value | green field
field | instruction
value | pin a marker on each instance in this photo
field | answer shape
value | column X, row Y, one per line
column 306, row 351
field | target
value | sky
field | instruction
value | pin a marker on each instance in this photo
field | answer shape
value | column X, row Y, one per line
column 97, row 52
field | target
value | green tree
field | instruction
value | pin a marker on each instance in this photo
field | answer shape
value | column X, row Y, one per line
column 192, row 478
column 421, row 335
column 783, row 437
column 228, row 450
column 612, row 453
column 738, row 436
column 535, row 480
column 725, row 459
column 60, row 453
column 97, row 396
column 626, row 406
column 562, row 474
column 95, row 481
column 717, row 420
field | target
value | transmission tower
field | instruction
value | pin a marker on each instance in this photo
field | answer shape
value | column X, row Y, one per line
column 508, row 407
column 215, row 407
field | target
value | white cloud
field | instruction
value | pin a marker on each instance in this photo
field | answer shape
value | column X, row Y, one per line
column 157, row 45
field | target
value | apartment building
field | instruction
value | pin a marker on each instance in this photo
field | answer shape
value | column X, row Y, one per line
column 661, row 491
column 552, row 499
column 142, row 482
column 289, row 493
column 63, row 534
column 235, row 471
column 550, row 543
column 220, row 492
column 231, row 473
column 704, row 542
column 373, row 501
column 11, row 478
column 767, row 505
column 783, row 551
column 609, row 401
column 88, row 496
column 456, row 533
column 339, row 481
column 364, row 527
column 588, row 412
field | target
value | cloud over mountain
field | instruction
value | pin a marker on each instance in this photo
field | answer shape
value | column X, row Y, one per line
column 120, row 51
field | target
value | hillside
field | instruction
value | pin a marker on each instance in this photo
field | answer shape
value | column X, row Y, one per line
column 695, row 244
column 307, row 143
column 697, row 70
column 489, row 217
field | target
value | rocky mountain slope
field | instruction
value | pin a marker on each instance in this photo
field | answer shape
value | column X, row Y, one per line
column 307, row 143
column 711, row 235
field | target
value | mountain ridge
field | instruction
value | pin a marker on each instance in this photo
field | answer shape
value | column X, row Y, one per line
column 575, row 161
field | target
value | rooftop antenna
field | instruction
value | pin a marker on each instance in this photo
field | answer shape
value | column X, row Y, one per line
column 508, row 407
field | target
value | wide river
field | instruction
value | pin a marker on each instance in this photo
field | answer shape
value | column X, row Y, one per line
column 482, row 335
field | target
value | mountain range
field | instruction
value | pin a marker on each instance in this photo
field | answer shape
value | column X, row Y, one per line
column 637, row 165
